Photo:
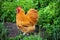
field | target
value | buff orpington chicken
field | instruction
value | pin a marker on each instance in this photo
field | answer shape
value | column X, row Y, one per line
column 26, row 22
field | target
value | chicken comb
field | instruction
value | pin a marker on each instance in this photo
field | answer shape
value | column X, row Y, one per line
column 18, row 9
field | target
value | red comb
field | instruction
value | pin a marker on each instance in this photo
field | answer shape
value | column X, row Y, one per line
column 18, row 9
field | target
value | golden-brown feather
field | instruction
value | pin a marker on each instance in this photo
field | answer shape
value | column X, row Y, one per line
column 26, row 23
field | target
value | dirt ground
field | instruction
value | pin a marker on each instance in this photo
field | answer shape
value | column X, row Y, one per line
column 12, row 29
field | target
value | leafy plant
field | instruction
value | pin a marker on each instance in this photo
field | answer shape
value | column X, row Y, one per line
column 3, row 32
column 49, row 19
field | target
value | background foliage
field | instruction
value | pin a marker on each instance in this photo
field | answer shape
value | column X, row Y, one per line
column 48, row 22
